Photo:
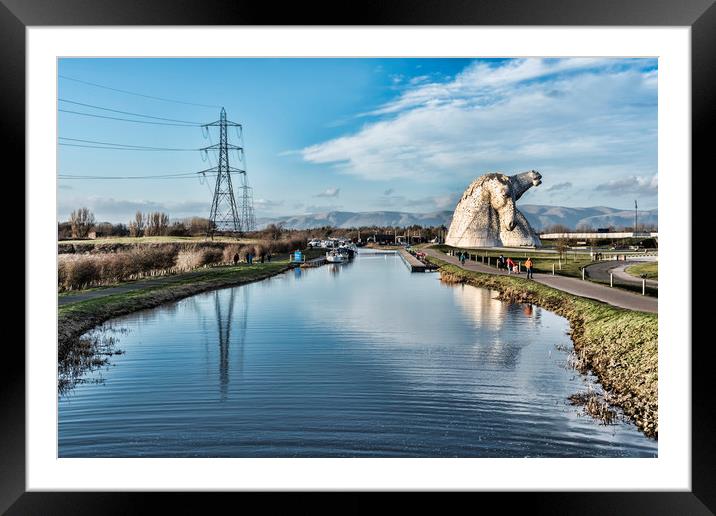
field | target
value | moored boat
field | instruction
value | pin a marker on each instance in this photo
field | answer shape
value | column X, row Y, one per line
column 335, row 257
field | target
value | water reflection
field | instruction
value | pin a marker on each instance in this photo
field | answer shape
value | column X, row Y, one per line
column 87, row 356
column 503, row 321
column 224, row 310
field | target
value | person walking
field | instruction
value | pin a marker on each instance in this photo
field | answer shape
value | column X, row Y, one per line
column 236, row 258
column 510, row 266
column 462, row 258
column 500, row 262
column 268, row 257
column 528, row 266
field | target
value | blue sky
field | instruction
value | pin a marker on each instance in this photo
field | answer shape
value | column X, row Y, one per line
column 364, row 134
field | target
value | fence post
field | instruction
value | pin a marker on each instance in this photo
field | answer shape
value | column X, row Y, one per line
column 488, row 261
column 560, row 264
column 583, row 273
column 611, row 279
column 519, row 267
column 643, row 287
column 552, row 269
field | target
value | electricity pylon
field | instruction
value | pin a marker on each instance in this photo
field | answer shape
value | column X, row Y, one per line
column 224, row 215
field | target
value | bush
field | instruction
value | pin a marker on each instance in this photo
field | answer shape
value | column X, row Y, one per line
column 77, row 272
column 209, row 256
column 85, row 270
column 230, row 251
column 188, row 259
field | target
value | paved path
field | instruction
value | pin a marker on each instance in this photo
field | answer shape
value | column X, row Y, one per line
column 612, row 296
column 600, row 271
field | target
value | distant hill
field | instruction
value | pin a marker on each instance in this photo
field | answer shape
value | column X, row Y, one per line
column 349, row 219
column 597, row 216
column 538, row 215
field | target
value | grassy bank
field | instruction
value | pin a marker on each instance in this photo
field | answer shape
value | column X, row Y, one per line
column 647, row 270
column 618, row 345
column 74, row 319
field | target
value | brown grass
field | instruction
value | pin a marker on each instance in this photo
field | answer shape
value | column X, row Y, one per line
column 91, row 265
column 88, row 270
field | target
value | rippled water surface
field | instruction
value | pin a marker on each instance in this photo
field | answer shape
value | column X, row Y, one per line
column 351, row 360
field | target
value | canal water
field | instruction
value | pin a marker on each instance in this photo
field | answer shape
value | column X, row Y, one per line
column 362, row 359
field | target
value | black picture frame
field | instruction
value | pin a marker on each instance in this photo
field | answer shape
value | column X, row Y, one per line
column 700, row 15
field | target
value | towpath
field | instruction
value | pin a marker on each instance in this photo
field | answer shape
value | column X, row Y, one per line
column 578, row 287
column 143, row 284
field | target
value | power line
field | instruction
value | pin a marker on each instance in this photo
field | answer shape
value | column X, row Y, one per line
column 122, row 119
column 137, row 94
column 153, row 147
column 123, row 148
column 128, row 112
column 178, row 175
column 117, row 146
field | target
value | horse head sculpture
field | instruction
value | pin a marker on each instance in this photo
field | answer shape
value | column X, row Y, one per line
column 487, row 215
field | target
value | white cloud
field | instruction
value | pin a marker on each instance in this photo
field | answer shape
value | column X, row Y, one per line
column 631, row 185
column 329, row 192
column 122, row 210
column 559, row 186
column 563, row 117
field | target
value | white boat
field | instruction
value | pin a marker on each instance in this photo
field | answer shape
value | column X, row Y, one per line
column 335, row 257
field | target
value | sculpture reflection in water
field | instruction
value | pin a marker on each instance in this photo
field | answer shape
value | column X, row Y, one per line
column 226, row 318
column 502, row 345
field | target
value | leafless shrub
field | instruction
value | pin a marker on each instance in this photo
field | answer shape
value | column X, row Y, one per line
column 79, row 271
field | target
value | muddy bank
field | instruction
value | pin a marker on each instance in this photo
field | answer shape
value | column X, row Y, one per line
column 78, row 318
column 619, row 346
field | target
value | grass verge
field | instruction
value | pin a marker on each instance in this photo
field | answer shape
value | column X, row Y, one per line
column 620, row 346
column 644, row 270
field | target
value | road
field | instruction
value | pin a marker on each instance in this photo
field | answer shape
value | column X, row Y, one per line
column 578, row 287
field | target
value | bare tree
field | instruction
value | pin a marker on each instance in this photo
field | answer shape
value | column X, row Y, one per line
column 157, row 224
column 274, row 231
column 561, row 245
column 199, row 226
column 81, row 222
column 136, row 226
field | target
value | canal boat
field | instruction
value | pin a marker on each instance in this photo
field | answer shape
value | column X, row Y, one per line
column 335, row 257
column 348, row 252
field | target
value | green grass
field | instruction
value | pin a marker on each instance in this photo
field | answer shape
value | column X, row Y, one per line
column 650, row 270
column 620, row 346
column 230, row 273
column 570, row 264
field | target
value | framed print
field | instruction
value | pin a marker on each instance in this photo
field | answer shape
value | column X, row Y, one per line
column 411, row 249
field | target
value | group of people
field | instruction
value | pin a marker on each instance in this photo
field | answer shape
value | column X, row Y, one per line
column 504, row 264
column 250, row 258
column 512, row 267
